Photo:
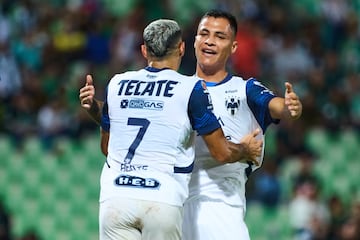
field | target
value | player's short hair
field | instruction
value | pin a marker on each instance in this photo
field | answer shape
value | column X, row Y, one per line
column 215, row 13
column 161, row 36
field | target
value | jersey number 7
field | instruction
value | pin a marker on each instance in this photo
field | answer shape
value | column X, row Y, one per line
column 144, row 124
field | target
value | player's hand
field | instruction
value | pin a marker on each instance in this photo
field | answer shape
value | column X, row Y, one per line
column 87, row 93
column 292, row 102
column 252, row 147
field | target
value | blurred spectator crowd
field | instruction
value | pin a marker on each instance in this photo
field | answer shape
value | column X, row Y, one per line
column 47, row 48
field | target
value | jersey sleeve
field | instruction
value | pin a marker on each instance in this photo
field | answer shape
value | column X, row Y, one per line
column 105, row 120
column 258, row 98
column 200, row 110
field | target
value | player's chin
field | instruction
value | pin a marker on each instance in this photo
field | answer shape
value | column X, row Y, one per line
column 208, row 61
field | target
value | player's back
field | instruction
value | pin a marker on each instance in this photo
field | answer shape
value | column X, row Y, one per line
column 150, row 130
column 149, row 107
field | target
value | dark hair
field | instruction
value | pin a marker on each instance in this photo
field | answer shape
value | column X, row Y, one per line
column 223, row 14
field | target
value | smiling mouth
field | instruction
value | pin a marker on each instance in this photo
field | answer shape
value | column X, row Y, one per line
column 207, row 51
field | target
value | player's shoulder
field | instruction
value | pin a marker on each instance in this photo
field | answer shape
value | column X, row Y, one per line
column 238, row 78
column 254, row 82
column 171, row 74
column 255, row 86
column 190, row 80
column 186, row 77
column 232, row 79
column 128, row 74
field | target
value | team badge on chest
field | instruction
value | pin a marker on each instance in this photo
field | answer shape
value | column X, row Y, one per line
column 232, row 104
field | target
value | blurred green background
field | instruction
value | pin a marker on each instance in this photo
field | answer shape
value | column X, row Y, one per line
column 50, row 159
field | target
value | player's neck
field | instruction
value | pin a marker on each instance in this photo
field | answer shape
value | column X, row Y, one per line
column 211, row 76
column 172, row 63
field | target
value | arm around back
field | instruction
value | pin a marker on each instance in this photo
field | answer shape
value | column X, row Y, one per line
column 104, row 142
column 225, row 151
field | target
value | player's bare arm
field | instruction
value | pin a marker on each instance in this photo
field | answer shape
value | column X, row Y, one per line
column 88, row 101
column 227, row 152
column 104, row 142
column 289, row 107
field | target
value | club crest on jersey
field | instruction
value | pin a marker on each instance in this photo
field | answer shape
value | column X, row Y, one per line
column 232, row 104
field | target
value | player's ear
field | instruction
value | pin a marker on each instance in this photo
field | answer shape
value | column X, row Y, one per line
column 143, row 50
column 234, row 47
column 182, row 48
column 195, row 41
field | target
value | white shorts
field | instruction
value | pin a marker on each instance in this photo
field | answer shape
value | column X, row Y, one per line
column 129, row 219
column 204, row 220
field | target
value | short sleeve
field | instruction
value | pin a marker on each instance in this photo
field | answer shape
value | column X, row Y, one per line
column 200, row 110
column 258, row 98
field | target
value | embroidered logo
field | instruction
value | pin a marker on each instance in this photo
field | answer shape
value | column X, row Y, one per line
column 232, row 104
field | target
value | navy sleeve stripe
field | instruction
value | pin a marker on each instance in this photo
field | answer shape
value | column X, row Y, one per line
column 258, row 98
column 187, row 169
column 200, row 109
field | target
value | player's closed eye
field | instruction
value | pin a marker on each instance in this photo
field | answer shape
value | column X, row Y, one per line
column 221, row 36
column 203, row 34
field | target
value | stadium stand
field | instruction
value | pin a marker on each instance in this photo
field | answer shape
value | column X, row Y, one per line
column 57, row 195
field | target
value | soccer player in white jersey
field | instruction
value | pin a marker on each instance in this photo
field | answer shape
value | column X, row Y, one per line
column 216, row 205
column 148, row 122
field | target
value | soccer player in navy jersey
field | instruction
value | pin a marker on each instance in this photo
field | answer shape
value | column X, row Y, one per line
column 147, row 132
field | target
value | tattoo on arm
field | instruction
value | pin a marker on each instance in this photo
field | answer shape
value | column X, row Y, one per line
column 95, row 112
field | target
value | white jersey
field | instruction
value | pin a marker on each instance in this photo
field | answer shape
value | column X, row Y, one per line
column 241, row 107
column 151, row 114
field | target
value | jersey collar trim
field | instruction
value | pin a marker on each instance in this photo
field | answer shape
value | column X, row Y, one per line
column 226, row 79
column 152, row 69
